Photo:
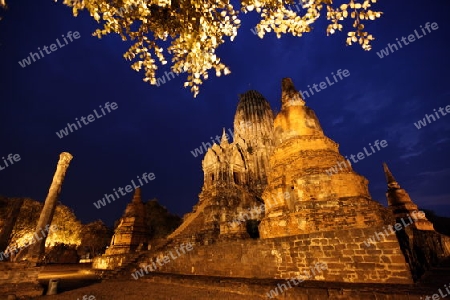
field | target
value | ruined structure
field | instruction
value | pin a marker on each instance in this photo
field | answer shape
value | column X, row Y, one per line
column 20, row 278
column 318, row 202
column 401, row 204
column 280, row 163
column 143, row 226
column 273, row 173
column 422, row 246
column 235, row 176
column 35, row 251
column 131, row 233
column 7, row 223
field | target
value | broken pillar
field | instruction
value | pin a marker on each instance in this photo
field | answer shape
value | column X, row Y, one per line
column 35, row 251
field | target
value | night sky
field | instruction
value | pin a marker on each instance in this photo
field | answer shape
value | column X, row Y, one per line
column 154, row 129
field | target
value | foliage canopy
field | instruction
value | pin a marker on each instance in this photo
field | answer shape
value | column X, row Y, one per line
column 69, row 227
column 159, row 221
column 95, row 237
column 194, row 29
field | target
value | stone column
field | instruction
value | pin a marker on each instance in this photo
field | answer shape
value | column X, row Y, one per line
column 37, row 250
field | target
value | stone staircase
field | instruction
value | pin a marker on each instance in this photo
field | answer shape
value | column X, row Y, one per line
column 131, row 261
column 111, row 274
column 190, row 218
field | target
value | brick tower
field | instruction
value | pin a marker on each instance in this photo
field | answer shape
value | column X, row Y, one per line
column 318, row 201
column 131, row 232
column 401, row 204
column 234, row 176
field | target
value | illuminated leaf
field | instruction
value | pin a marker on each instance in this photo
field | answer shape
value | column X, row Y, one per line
column 191, row 31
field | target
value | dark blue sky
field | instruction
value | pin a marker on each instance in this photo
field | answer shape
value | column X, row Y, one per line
column 154, row 129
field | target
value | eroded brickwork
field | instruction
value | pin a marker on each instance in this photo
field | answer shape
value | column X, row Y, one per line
column 318, row 201
column 19, row 279
column 347, row 257
column 131, row 232
column 235, row 175
column 310, row 214
column 401, row 204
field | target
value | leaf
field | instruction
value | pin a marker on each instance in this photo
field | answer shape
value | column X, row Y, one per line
column 191, row 32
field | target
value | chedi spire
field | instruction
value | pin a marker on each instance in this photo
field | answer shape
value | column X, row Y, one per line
column 391, row 182
column 400, row 203
column 289, row 95
column 131, row 233
column 224, row 139
column 137, row 195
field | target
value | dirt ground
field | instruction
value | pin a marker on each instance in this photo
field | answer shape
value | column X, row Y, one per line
column 138, row 290
column 78, row 281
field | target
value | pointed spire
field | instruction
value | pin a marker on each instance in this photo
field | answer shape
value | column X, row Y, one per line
column 137, row 195
column 401, row 204
column 224, row 137
column 391, row 182
column 289, row 95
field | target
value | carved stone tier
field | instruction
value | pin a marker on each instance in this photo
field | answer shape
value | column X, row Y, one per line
column 401, row 204
column 234, row 177
column 131, row 232
column 253, row 128
column 316, row 199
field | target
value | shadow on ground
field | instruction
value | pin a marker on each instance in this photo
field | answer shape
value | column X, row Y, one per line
column 69, row 276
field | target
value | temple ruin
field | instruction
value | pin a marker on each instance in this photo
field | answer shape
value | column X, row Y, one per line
column 269, row 209
column 20, row 278
column 35, row 252
column 131, row 234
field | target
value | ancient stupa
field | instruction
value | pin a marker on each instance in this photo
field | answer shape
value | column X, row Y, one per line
column 131, row 232
column 401, row 204
column 308, row 215
column 318, row 201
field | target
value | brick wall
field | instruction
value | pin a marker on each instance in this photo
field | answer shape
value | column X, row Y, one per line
column 19, row 279
column 423, row 249
column 345, row 253
column 109, row 262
